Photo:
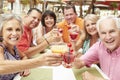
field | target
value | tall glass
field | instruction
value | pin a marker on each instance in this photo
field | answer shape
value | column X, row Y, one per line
column 73, row 32
column 68, row 59
column 64, row 50
column 74, row 35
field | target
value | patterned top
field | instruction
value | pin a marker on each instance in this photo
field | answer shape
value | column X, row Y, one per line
column 86, row 45
column 9, row 56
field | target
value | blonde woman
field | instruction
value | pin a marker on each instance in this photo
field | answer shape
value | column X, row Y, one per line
column 91, row 31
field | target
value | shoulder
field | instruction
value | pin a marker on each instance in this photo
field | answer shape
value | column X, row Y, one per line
column 60, row 24
column 98, row 44
column 2, row 45
column 79, row 19
column 80, row 22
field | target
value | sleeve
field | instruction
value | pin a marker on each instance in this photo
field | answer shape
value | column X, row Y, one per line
column 91, row 55
column 23, row 44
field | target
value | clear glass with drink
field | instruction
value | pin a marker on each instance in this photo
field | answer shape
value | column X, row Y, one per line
column 59, row 48
column 68, row 58
column 73, row 32
column 64, row 50
column 73, row 35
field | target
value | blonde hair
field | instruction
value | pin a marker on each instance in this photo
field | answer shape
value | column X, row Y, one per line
column 91, row 17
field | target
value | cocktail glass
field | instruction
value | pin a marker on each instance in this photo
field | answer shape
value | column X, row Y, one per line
column 73, row 32
column 59, row 48
column 68, row 58
column 73, row 35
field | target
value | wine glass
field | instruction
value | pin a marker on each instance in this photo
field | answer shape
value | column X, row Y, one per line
column 73, row 30
column 73, row 35
column 68, row 59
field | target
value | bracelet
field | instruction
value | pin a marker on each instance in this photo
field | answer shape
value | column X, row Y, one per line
column 46, row 41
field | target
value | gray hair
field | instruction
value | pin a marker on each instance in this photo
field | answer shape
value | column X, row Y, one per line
column 117, row 21
column 7, row 17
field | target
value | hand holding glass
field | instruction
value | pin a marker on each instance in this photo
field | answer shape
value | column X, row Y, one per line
column 73, row 32
column 68, row 59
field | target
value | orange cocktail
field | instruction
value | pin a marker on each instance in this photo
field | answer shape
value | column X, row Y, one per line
column 60, row 48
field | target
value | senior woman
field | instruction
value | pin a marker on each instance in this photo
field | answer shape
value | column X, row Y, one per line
column 11, row 31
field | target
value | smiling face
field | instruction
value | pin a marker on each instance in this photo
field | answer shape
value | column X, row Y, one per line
column 90, row 27
column 33, row 19
column 49, row 21
column 70, row 15
column 109, row 34
column 11, row 32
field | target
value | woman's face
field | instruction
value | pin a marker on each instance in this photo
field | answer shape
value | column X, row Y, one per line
column 90, row 27
column 11, row 32
column 49, row 21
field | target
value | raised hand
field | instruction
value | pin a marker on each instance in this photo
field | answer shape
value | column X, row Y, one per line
column 50, row 59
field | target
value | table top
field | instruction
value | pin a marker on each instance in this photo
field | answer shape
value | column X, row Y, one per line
column 39, row 74
column 59, row 73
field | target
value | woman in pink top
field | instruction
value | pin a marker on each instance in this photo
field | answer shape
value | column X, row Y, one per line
column 106, row 51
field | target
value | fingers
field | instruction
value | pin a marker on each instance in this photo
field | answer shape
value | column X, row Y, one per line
column 55, row 36
column 52, row 59
column 53, row 63
column 54, row 55
column 84, row 76
column 75, row 28
column 77, row 59
column 77, row 55
column 78, row 63
column 25, row 73
column 67, row 65
column 88, row 76
column 56, row 64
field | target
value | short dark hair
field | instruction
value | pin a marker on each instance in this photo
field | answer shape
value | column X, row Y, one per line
column 69, row 6
column 31, row 9
column 46, row 13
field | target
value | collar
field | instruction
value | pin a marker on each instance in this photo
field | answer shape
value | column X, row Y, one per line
column 116, row 51
column 27, row 28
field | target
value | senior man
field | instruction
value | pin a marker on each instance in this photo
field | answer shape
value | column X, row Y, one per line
column 106, row 51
